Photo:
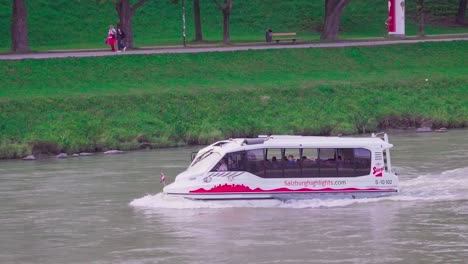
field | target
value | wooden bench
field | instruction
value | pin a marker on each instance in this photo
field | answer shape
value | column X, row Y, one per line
column 282, row 36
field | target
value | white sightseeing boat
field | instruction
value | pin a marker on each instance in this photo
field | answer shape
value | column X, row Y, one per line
column 289, row 167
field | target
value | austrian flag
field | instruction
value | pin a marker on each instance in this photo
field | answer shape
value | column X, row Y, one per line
column 163, row 178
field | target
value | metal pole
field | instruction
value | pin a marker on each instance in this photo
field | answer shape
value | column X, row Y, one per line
column 183, row 21
column 387, row 152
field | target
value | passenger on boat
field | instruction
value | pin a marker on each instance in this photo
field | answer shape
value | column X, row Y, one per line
column 222, row 165
column 274, row 163
column 291, row 161
column 305, row 162
column 340, row 162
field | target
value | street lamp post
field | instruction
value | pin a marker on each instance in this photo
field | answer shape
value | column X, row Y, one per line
column 183, row 22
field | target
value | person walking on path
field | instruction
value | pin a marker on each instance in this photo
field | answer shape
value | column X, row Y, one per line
column 111, row 37
column 120, row 37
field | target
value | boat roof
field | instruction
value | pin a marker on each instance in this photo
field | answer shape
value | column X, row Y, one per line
column 294, row 141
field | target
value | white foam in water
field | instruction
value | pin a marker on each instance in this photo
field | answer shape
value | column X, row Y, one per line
column 448, row 186
column 163, row 201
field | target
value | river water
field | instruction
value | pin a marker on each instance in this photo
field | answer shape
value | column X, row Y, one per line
column 108, row 209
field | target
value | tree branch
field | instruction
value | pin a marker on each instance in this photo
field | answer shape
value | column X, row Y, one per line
column 218, row 5
column 118, row 7
column 137, row 5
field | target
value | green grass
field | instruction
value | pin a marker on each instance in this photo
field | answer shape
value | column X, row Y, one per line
column 83, row 24
column 132, row 74
column 93, row 104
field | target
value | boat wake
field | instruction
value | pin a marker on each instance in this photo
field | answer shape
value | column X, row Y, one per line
column 447, row 186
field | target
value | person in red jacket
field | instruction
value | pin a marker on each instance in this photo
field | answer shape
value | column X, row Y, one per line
column 111, row 37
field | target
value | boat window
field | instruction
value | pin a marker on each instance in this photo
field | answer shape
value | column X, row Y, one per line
column 274, row 154
column 362, row 161
column 256, row 162
column 235, row 162
column 204, row 162
column 202, row 156
column 292, row 163
column 353, row 162
column 222, row 165
column 345, row 163
column 309, row 162
column 273, row 166
column 327, row 162
column 302, row 163
column 221, row 143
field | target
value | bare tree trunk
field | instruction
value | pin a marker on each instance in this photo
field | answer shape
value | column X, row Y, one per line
column 421, row 18
column 198, row 25
column 333, row 11
column 225, row 8
column 19, row 27
column 461, row 12
column 226, row 34
column 125, row 12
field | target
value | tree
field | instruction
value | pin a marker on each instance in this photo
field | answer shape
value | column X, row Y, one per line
column 19, row 29
column 333, row 11
column 125, row 12
column 225, row 8
column 196, row 15
column 421, row 17
column 461, row 12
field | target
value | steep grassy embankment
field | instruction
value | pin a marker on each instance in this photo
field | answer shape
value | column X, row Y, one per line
column 63, row 24
column 91, row 104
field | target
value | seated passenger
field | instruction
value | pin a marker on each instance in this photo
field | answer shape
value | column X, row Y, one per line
column 274, row 163
column 306, row 162
column 222, row 165
column 340, row 162
column 291, row 161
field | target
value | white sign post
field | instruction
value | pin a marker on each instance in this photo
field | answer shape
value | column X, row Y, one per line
column 396, row 18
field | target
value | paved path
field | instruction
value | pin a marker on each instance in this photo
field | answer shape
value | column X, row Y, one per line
column 214, row 49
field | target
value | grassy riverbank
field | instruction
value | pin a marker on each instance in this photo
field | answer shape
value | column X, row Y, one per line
column 63, row 24
column 125, row 102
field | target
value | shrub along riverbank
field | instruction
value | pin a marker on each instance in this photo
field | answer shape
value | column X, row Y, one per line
column 128, row 102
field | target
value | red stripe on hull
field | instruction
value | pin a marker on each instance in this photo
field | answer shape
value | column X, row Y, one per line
column 240, row 188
